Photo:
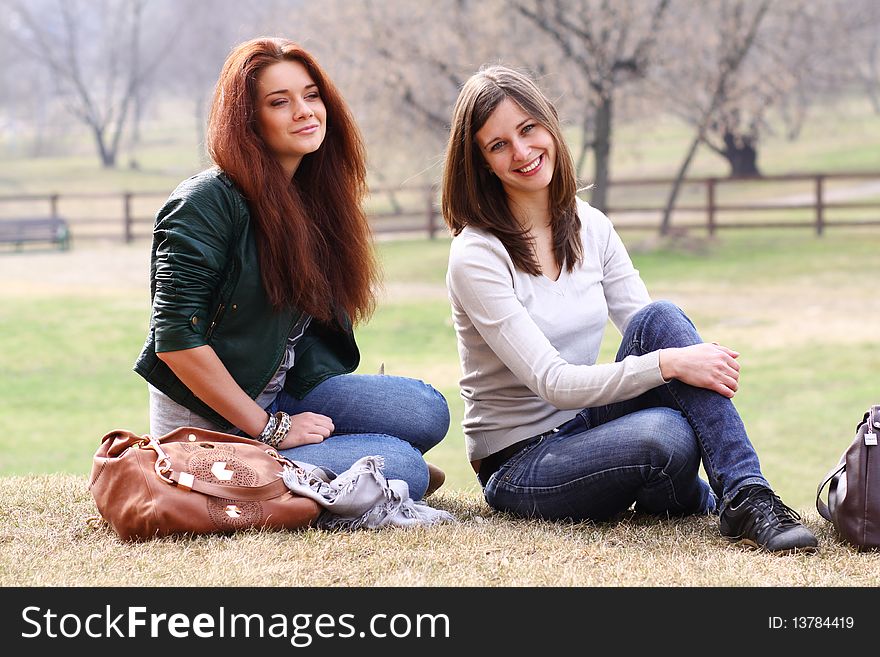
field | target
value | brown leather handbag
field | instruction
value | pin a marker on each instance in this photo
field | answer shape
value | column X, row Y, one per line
column 193, row 481
column 854, row 487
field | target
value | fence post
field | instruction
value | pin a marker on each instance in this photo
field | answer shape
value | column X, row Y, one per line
column 710, row 205
column 53, row 204
column 820, row 209
column 432, row 213
column 127, row 220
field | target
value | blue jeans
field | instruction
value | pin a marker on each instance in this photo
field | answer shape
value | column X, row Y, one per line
column 646, row 450
column 373, row 414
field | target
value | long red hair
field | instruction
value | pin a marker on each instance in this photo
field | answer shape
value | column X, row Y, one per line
column 313, row 237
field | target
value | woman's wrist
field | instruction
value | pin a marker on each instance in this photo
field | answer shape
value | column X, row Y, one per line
column 276, row 429
column 667, row 359
column 268, row 428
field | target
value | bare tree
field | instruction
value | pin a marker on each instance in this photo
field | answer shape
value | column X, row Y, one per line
column 404, row 62
column 611, row 45
column 737, row 28
column 776, row 77
column 94, row 53
column 582, row 51
column 27, row 103
column 854, row 59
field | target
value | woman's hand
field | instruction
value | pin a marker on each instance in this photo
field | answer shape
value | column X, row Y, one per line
column 705, row 365
column 307, row 429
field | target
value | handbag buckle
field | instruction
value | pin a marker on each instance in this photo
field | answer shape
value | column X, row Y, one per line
column 283, row 460
column 163, row 461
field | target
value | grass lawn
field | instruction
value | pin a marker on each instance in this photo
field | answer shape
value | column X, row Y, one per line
column 795, row 306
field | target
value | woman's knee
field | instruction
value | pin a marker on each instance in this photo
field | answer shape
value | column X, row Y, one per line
column 378, row 403
column 430, row 414
column 439, row 410
column 662, row 324
column 403, row 461
column 668, row 437
column 664, row 311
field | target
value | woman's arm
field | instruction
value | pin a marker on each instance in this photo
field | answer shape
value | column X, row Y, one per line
column 710, row 366
column 204, row 374
column 193, row 233
column 480, row 282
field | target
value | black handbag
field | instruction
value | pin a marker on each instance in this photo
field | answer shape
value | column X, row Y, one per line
column 853, row 505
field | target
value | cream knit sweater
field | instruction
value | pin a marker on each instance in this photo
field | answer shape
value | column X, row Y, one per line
column 528, row 345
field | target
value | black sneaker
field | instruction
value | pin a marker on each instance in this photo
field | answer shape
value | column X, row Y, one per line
column 757, row 517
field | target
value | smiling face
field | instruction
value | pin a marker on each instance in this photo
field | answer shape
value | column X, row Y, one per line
column 290, row 114
column 517, row 149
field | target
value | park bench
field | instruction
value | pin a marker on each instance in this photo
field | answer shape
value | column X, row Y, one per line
column 53, row 230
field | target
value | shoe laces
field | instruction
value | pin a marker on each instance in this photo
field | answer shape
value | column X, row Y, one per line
column 772, row 508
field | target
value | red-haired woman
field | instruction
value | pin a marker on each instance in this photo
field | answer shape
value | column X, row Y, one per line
column 261, row 265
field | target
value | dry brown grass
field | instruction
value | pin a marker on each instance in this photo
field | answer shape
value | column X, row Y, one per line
column 46, row 539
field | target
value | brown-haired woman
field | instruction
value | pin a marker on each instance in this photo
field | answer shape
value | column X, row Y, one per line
column 534, row 275
column 260, row 267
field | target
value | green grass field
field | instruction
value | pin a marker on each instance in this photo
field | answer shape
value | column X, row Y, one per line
column 797, row 307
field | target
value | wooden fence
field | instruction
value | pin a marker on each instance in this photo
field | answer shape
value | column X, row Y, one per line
column 128, row 216
column 815, row 201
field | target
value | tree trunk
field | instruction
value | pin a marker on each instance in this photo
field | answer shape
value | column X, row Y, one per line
column 586, row 143
column 602, row 151
column 740, row 153
column 396, row 207
column 120, row 125
column 38, row 147
column 666, row 222
column 107, row 155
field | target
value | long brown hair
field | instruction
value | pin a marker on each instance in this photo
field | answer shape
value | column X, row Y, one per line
column 473, row 196
column 313, row 238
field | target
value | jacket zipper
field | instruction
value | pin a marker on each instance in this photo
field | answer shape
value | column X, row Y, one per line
column 214, row 321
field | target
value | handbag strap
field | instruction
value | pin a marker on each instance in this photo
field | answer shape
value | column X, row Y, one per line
column 871, row 417
column 825, row 510
column 268, row 491
column 186, row 481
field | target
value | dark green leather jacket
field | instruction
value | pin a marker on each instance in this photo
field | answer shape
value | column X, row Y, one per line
column 206, row 290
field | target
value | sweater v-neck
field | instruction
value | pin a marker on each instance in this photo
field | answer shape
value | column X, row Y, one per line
column 557, row 286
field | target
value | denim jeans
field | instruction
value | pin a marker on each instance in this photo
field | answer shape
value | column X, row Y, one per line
column 646, row 450
column 391, row 416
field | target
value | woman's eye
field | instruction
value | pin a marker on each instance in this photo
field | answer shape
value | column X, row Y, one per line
column 313, row 96
column 278, row 102
column 497, row 146
column 528, row 128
